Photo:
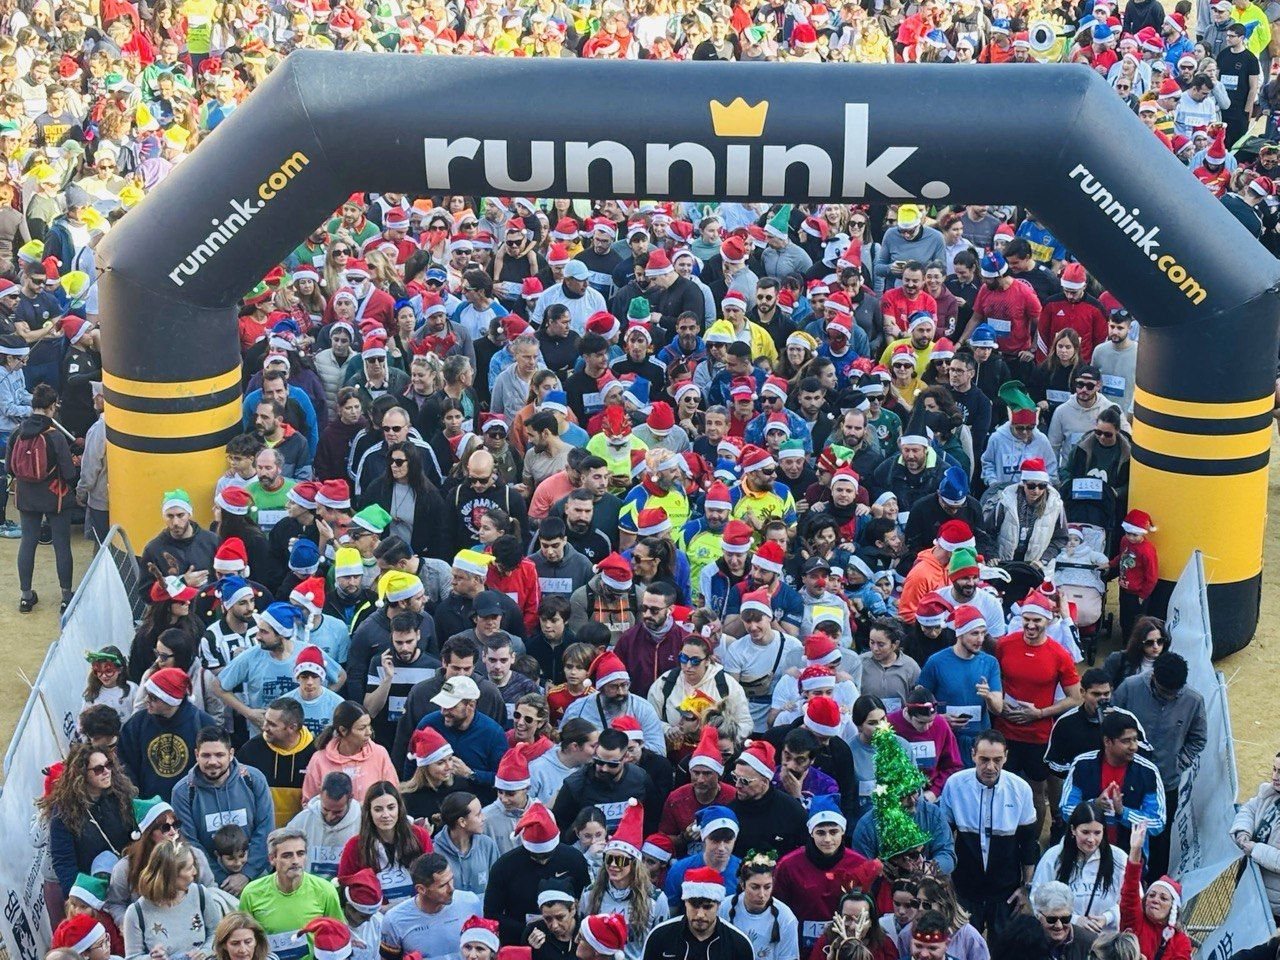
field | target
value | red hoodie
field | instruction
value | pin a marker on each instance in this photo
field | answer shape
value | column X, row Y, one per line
column 813, row 893
column 1139, row 567
column 521, row 585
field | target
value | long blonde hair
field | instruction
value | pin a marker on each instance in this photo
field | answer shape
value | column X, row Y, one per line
column 639, row 907
column 159, row 879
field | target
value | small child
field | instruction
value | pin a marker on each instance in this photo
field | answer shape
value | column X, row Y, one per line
column 362, row 909
column 884, row 582
column 231, row 847
column 87, row 897
column 108, row 681
column 1138, row 567
column 577, row 660
column 592, row 832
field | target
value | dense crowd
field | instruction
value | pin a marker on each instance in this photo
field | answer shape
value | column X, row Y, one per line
column 619, row 579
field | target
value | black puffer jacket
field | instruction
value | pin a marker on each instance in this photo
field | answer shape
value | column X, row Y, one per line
column 57, row 492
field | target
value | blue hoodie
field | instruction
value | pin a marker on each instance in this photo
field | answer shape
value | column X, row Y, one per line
column 243, row 798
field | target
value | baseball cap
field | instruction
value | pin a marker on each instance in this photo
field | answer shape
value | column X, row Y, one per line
column 816, row 563
column 575, row 270
column 486, row 604
column 455, row 690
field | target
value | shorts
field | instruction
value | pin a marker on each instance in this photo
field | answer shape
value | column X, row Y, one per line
column 1027, row 760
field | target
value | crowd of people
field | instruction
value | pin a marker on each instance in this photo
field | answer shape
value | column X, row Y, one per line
column 618, row 578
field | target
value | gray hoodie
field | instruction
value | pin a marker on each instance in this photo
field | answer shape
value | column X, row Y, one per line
column 561, row 579
column 325, row 841
column 470, row 869
column 501, row 825
column 243, row 798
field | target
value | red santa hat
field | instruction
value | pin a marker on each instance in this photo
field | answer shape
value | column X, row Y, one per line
column 822, row 716
column 363, row 890
column 759, row 755
column 310, row 660
column 334, row 494
column 309, row 595
column 769, row 557
column 170, row 685
column 231, row 556
column 733, row 300
column 235, row 500
column 608, row 668
column 615, row 571
column 1036, row 604
column 558, row 255
column 428, row 746
column 659, row 847
column 954, row 535
column 606, row 933
column 628, row 837
column 537, row 829
column 330, row 939
column 817, row 677
column 707, row 754
column 78, row 933
column 480, row 930
column 652, row 521
column 820, row 649
column 1034, row 470
column 736, row 538
column 1138, row 521
column 1073, row 277
column 966, row 619
column 933, row 610
column 304, row 494
column 755, row 458
column 717, row 497
column 628, row 725
column 513, row 770
column 702, row 883
column 757, row 601
column 659, row 264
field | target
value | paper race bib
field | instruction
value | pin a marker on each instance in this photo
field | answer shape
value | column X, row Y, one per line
column 1057, row 396
column 923, row 752
column 891, row 704
column 903, row 517
column 269, row 518
column 1087, row 488
column 999, row 326
column 284, row 946
column 971, row 714
column 555, row 585
column 811, row 930
column 1112, row 386
column 396, row 884
column 215, row 821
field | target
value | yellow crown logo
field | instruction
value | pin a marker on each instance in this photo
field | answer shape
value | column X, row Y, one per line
column 738, row 119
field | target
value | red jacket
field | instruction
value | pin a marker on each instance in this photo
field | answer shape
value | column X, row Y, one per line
column 1139, row 567
column 813, row 893
column 1084, row 317
column 1134, row 918
column 646, row 657
column 682, row 806
column 380, row 306
column 522, row 586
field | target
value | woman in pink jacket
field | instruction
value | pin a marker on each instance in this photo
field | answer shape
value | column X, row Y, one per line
column 346, row 745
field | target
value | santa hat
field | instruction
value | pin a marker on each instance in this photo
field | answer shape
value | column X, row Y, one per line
column 1174, row 889
column 428, row 746
column 817, row 677
column 1037, row 605
column 608, row 668
column 769, row 557
column 845, row 475
column 310, row 660
column 755, row 458
column 733, row 250
column 374, row 346
column 825, row 809
column 170, row 685
column 736, row 538
column 513, row 770
column 653, row 521
column 606, row 933
column 733, row 300
column 757, row 601
column 707, row 754
column 479, row 930
column 363, row 890
column 702, row 883
column 955, row 535
column 232, row 590
column 776, row 386
column 966, row 619
column 822, row 716
column 628, row 725
column 659, row 264
column 537, row 829
column 615, row 572
column 1217, row 152
column 330, row 939
column 304, row 494
column 231, row 556
column 759, row 756
column 334, row 494
column 1073, row 276
column 717, row 497
column 1033, row 469
column 628, row 836
column 933, row 610
column 659, row 847
column 1138, row 521
column 820, row 649
column 234, row 500
column 78, row 933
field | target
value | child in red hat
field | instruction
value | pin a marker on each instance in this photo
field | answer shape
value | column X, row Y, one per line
column 1137, row 566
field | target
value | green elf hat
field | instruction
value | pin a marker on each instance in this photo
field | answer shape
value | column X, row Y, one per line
column 639, row 309
column 779, row 224
column 964, row 563
column 147, row 812
column 176, row 498
column 1022, row 409
column 91, row 890
column 372, row 518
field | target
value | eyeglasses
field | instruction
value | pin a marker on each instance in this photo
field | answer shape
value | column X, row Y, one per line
column 648, row 608
column 340, row 251
column 743, row 781
column 479, row 481
column 926, row 904
column 163, row 656
column 913, row 903
column 688, row 661
column 393, row 429
column 858, row 223
column 1056, row 921
column 99, row 769
column 399, row 461
column 1124, row 86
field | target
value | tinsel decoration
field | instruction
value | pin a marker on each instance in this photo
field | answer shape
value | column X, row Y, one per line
column 897, row 776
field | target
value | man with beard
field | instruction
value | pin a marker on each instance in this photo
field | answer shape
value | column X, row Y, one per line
column 349, row 594
column 965, row 678
column 1117, row 359
column 965, row 577
column 479, row 493
column 587, row 514
column 661, row 486
column 687, row 349
column 928, row 572
column 583, row 387
column 606, row 599
column 1012, row 309
column 723, row 576
column 650, row 648
column 698, row 932
column 765, row 577
column 901, row 302
column 291, row 899
column 810, row 401
column 951, row 502
column 609, row 783
column 477, row 740
column 393, row 673
column 915, row 473
column 1072, row 309
column 328, row 821
column 614, row 699
column 863, row 453
column 191, row 547
column 962, row 374
column 516, row 877
column 921, row 326
column 670, row 293
column 759, row 497
column 578, row 296
column 600, row 258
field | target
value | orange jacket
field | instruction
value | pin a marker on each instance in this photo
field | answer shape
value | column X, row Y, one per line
column 926, row 575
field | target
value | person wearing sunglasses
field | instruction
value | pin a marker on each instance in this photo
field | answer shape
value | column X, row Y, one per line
column 1030, row 521
column 1077, row 417
column 607, row 782
column 624, row 885
column 1148, row 638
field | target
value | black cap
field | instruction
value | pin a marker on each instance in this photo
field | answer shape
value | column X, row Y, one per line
column 487, row 604
column 1089, row 372
column 816, row 563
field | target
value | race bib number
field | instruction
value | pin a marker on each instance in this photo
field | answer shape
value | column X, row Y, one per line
column 1001, row 327
column 269, row 518
column 555, row 584
column 612, row 812
column 891, row 704
column 1087, row 488
column 1112, row 386
column 222, row 818
column 317, row 261
column 1057, row 396
column 924, row 752
column 284, row 946
column 903, row 517
column 812, row 930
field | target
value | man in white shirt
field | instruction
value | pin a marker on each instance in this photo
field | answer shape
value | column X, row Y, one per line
column 576, row 293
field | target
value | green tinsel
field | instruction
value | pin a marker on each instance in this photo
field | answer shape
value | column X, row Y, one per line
column 897, row 776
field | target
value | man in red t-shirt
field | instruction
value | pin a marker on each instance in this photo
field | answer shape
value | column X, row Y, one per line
column 1075, row 309
column 899, row 303
column 1012, row 309
column 1032, row 667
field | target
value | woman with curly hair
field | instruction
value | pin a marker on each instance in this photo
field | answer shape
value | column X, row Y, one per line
column 90, row 813
column 855, row 933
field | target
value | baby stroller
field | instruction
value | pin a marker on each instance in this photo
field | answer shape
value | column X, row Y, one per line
column 1077, row 572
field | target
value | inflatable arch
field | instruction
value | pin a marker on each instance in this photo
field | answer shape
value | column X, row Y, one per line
column 325, row 125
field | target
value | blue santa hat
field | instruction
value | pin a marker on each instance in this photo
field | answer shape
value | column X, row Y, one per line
column 1102, row 32
column 280, row 617
column 233, row 589
column 994, row 265
column 954, row 488
column 287, row 325
column 716, row 817
column 305, row 557
column 984, row 335
column 826, row 809
column 727, row 471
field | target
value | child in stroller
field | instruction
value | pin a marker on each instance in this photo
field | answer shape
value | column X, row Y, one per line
column 1078, row 574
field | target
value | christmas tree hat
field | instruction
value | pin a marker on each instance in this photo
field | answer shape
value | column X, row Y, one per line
column 897, row 776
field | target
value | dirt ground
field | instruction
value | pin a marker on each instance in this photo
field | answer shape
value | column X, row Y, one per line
column 1250, row 673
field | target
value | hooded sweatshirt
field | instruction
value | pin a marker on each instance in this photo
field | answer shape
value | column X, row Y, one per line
column 365, row 768
column 561, row 579
column 156, row 751
column 243, row 798
column 325, row 841
column 500, row 825
column 284, row 770
column 470, row 869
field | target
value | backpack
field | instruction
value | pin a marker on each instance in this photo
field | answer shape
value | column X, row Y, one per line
column 29, row 460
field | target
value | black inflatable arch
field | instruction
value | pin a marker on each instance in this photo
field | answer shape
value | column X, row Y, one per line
column 325, row 125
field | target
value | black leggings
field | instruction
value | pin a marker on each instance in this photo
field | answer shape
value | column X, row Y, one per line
column 60, row 524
